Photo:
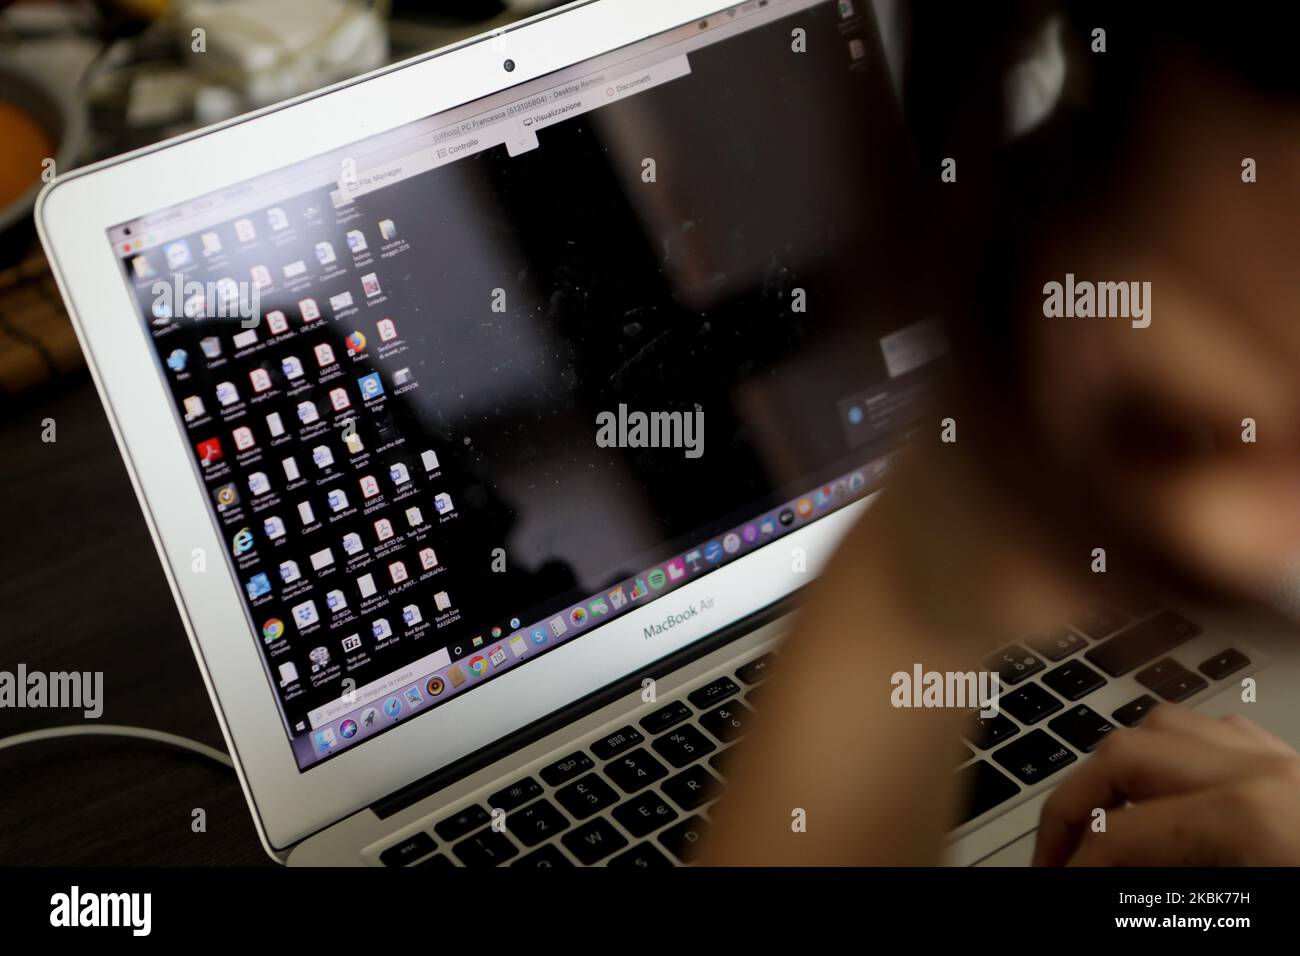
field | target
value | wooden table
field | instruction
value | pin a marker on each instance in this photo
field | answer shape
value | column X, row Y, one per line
column 82, row 590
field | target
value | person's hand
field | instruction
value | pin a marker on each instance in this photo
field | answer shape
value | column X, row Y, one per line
column 1183, row 789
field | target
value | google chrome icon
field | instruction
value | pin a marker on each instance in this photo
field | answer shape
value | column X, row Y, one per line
column 477, row 665
column 356, row 342
column 273, row 629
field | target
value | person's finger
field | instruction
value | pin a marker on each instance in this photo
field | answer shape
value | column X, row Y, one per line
column 1133, row 765
column 1189, row 829
column 1233, row 731
column 1248, row 729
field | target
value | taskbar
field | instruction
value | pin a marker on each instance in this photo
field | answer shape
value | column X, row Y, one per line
column 404, row 694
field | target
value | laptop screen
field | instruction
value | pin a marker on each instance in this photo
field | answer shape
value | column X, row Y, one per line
column 475, row 388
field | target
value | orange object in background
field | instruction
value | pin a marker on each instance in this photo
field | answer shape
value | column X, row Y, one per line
column 24, row 146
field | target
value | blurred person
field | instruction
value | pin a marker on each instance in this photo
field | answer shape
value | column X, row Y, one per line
column 1073, row 433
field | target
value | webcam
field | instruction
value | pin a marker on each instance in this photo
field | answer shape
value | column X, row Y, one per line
column 509, row 65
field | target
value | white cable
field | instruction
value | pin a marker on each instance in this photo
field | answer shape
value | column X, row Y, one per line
column 118, row 730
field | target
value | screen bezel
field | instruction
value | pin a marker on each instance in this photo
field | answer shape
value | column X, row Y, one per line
column 73, row 215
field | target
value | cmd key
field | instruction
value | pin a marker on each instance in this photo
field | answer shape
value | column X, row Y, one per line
column 1142, row 643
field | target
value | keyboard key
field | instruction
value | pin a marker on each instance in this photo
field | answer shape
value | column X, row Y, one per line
column 1034, row 757
column 1142, row 643
column 712, row 693
column 683, row 840
column 536, row 822
column 545, row 858
column 515, row 795
column 1029, row 704
column 643, row 855
column 1082, row 727
column 438, row 862
column 1171, row 680
column 1183, row 686
column 564, row 770
column 594, row 841
column 1057, row 645
column 1013, row 664
column 584, row 797
column 454, row 827
column 412, row 848
column 986, row 732
column 1135, row 711
column 757, row 669
column 644, row 814
column 693, row 787
column 985, row 787
column 1159, row 673
column 665, row 717
column 1073, row 680
column 610, row 747
column 485, row 848
column 1224, row 663
column 1101, row 622
column 727, row 722
column 635, row 770
column 683, row 745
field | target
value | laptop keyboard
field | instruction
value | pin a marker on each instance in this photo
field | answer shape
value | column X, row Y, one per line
column 639, row 796
column 1048, row 679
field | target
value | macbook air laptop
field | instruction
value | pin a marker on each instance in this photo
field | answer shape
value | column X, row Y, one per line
column 488, row 412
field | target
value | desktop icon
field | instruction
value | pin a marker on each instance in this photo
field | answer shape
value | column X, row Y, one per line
column 578, row 616
column 657, row 578
column 392, row 707
column 348, row 729
column 477, row 665
column 243, row 542
column 226, row 497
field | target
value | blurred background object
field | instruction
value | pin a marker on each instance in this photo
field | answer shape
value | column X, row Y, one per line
column 82, row 81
